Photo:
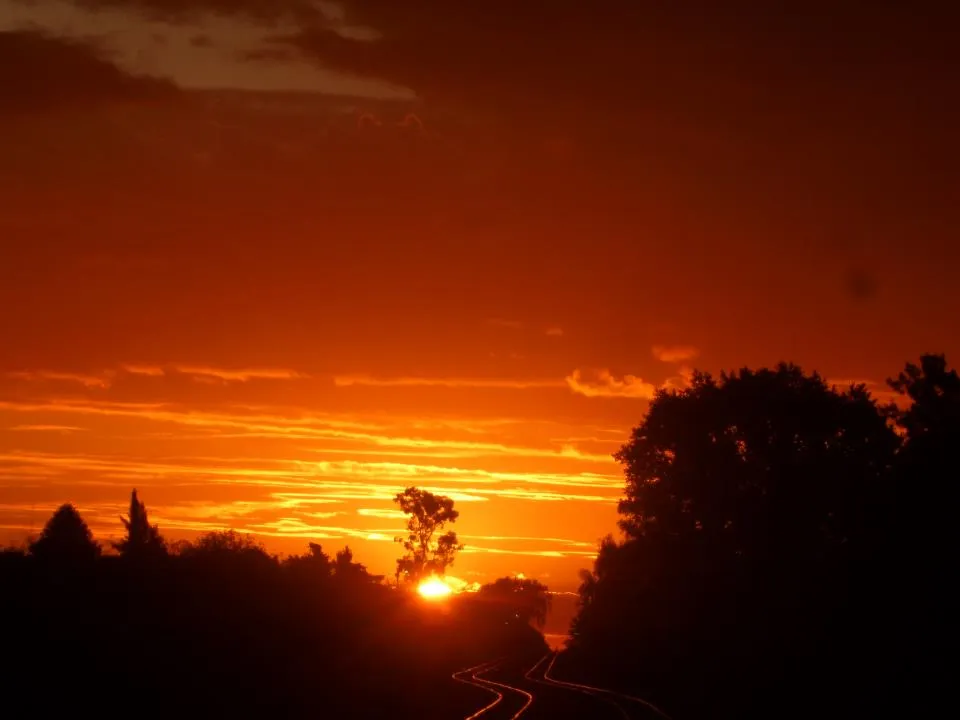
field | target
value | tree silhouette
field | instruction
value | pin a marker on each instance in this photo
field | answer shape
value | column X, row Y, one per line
column 224, row 543
column 927, row 468
column 428, row 514
column 306, row 635
column 143, row 540
column 315, row 563
column 523, row 600
column 344, row 568
column 755, row 510
column 66, row 540
column 763, row 462
column 932, row 420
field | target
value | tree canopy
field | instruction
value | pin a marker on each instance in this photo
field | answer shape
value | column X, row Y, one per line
column 142, row 540
column 66, row 540
column 759, row 514
column 428, row 514
column 764, row 462
column 523, row 600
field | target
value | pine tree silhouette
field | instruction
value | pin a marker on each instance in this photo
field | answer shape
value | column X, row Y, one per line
column 143, row 539
column 66, row 540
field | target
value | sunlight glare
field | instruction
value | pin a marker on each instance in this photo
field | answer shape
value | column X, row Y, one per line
column 433, row 589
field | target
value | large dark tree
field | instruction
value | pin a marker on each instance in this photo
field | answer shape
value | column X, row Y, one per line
column 427, row 515
column 65, row 540
column 930, row 418
column 927, row 469
column 764, row 462
column 143, row 540
column 753, row 502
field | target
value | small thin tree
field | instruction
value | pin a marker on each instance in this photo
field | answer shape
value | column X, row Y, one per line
column 428, row 514
column 143, row 540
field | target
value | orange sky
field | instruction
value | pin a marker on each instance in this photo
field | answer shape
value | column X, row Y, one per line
column 218, row 288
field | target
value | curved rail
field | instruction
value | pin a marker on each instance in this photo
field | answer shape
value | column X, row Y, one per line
column 477, row 683
column 609, row 693
column 491, row 686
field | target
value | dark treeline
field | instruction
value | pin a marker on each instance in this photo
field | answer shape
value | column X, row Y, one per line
column 220, row 628
column 786, row 549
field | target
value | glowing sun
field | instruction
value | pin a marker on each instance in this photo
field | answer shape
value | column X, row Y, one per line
column 433, row 589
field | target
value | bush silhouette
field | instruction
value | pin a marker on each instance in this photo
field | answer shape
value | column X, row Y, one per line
column 66, row 541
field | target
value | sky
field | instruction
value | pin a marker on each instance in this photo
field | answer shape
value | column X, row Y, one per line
column 271, row 265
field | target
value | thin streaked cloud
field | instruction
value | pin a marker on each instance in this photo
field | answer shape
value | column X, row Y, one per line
column 46, row 428
column 240, row 374
column 450, row 383
column 147, row 370
column 674, row 353
column 383, row 513
column 102, row 381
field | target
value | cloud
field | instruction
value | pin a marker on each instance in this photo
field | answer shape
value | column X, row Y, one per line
column 46, row 428
column 347, row 480
column 39, row 72
column 459, row 585
column 532, row 553
column 309, row 427
column 383, row 513
column 106, row 378
column 102, row 381
column 554, row 332
column 680, row 381
column 607, row 386
column 239, row 375
column 674, row 353
column 482, row 383
column 147, row 370
column 525, row 538
column 158, row 38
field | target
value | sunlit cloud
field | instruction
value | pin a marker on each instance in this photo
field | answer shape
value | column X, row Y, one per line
column 339, row 479
column 147, row 370
column 240, row 51
column 46, row 428
column 324, row 491
column 532, row 553
column 479, row 383
column 410, row 471
column 521, row 538
column 239, row 375
column 383, row 513
column 554, row 332
column 102, row 381
column 675, row 353
column 682, row 380
column 605, row 385
column 322, row 428
column 106, row 378
column 459, row 585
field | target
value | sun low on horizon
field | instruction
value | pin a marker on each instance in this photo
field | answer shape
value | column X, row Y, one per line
column 434, row 588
